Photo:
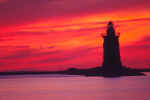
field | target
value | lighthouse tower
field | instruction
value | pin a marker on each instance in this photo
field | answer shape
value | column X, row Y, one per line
column 111, row 58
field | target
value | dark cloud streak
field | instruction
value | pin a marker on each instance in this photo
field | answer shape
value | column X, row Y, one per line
column 25, row 11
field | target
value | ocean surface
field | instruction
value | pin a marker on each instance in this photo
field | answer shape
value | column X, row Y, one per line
column 66, row 87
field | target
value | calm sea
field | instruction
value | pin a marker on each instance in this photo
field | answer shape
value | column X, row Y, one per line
column 58, row 87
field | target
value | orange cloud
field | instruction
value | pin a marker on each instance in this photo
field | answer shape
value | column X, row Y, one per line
column 73, row 32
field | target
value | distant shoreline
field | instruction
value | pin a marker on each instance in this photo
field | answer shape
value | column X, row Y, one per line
column 97, row 71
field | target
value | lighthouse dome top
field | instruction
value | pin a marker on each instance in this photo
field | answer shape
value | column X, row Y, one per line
column 110, row 23
column 110, row 29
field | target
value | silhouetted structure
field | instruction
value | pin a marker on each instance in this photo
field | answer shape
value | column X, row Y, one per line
column 112, row 66
column 112, row 63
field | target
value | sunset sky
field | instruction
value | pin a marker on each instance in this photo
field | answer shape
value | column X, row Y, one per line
column 41, row 35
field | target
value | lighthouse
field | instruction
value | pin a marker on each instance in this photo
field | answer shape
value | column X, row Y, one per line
column 111, row 52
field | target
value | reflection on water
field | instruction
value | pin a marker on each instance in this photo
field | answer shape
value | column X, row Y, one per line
column 147, row 73
column 47, row 87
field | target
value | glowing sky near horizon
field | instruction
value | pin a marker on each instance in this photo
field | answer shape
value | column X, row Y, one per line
column 60, row 34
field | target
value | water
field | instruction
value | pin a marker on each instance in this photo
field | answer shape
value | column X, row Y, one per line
column 56, row 87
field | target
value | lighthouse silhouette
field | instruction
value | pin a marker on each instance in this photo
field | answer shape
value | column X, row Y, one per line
column 111, row 58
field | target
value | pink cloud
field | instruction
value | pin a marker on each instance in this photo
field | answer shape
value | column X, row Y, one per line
column 3, row 1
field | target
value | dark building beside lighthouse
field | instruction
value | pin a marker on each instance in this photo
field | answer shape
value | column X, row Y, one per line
column 111, row 58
